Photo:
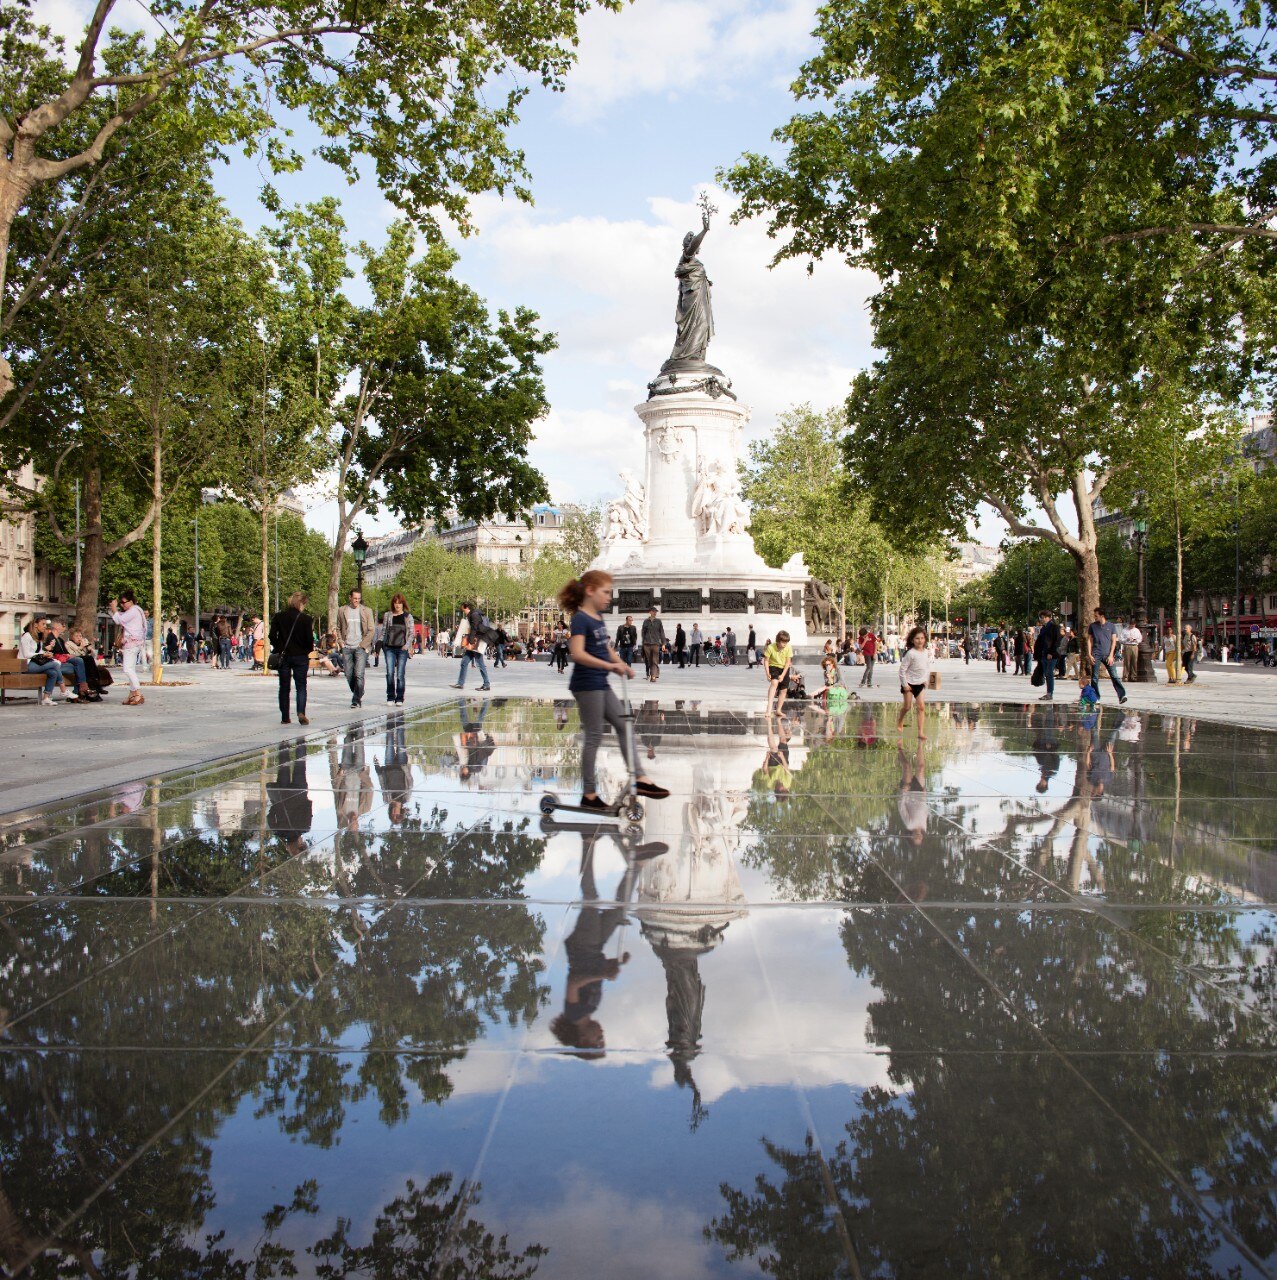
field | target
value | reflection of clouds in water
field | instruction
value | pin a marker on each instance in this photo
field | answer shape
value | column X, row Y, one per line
column 718, row 1077
column 479, row 1072
column 595, row 1231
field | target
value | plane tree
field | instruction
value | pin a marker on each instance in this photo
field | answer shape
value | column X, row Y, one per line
column 1058, row 211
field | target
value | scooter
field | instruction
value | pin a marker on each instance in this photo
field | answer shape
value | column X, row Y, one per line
column 626, row 807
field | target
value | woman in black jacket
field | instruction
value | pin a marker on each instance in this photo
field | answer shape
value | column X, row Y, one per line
column 292, row 636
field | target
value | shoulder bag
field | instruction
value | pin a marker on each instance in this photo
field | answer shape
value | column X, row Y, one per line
column 272, row 658
column 395, row 634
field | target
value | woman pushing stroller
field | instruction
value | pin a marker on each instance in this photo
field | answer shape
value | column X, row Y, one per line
column 593, row 659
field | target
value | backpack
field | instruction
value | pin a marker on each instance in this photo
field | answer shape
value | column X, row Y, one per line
column 483, row 628
column 1062, row 646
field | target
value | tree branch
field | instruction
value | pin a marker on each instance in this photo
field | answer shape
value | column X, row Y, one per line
column 110, row 548
column 175, row 68
column 1204, row 228
column 92, row 34
column 1222, row 70
column 38, row 275
column 1018, row 527
column 1042, row 487
column 51, row 351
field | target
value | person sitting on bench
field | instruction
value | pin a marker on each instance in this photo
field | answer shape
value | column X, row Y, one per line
column 72, row 664
column 37, row 662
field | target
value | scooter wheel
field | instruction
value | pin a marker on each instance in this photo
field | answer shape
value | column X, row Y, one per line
column 549, row 804
column 634, row 811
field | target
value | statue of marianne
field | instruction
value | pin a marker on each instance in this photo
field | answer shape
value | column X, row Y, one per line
column 693, row 316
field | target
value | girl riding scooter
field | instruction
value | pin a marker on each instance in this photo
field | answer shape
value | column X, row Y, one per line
column 593, row 658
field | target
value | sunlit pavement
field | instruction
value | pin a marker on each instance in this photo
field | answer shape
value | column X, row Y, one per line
column 999, row 1003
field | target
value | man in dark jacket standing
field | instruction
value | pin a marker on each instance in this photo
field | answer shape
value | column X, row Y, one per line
column 1044, row 651
column 653, row 643
column 627, row 639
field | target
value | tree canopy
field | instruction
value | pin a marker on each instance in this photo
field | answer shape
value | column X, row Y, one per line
column 1061, row 218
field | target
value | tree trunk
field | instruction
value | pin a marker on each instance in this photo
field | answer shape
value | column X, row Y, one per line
column 1088, row 596
column 265, row 579
column 334, row 571
column 86, row 601
column 1179, row 590
column 157, row 613
column 12, row 198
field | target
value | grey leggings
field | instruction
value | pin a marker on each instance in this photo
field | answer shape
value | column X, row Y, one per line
column 594, row 707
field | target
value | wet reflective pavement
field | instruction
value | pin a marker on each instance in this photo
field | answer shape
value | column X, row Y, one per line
column 1001, row 1003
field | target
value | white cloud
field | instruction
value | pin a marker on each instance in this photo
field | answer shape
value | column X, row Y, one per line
column 607, row 288
column 677, row 48
column 68, row 19
column 638, row 1237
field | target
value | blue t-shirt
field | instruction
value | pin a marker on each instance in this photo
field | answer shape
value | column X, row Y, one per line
column 1102, row 634
column 596, row 645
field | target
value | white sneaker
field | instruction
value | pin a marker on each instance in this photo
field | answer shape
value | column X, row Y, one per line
column 45, row 700
column 70, row 696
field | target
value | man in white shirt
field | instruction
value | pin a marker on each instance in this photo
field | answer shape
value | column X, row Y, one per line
column 1129, row 636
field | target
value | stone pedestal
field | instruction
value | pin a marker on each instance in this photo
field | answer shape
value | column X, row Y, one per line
column 691, row 554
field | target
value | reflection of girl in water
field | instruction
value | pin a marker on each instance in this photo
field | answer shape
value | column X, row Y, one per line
column 912, row 807
column 775, row 775
column 576, row 1027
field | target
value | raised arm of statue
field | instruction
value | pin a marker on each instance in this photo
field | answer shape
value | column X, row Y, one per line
column 692, row 242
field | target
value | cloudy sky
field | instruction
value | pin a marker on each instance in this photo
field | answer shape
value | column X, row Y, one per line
column 663, row 94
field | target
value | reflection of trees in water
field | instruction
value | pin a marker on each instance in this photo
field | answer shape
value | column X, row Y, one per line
column 392, row 975
column 995, row 1163
column 986, row 1165
column 991, row 1155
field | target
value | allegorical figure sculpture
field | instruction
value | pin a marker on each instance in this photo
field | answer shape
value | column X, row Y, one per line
column 717, row 504
column 626, row 517
column 694, row 315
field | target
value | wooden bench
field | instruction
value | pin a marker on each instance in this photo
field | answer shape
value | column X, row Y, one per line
column 12, row 676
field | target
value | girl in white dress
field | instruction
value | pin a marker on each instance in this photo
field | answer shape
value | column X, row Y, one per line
column 915, row 672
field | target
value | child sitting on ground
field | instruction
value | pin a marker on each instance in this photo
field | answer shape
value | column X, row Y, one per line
column 834, row 691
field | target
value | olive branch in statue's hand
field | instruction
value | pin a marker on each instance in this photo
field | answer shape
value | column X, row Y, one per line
column 707, row 208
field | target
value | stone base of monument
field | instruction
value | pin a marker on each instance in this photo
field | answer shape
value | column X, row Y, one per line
column 681, row 539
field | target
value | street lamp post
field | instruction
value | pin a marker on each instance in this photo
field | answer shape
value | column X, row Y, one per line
column 197, row 573
column 359, row 549
column 1237, row 587
column 1144, row 673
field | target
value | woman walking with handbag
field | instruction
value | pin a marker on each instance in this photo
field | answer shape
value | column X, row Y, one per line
column 292, row 636
column 128, row 616
column 396, row 633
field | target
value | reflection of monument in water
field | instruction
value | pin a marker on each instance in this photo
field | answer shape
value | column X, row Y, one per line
column 679, row 537
column 687, row 898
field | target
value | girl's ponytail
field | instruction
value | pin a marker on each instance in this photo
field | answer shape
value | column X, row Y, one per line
column 572, row 596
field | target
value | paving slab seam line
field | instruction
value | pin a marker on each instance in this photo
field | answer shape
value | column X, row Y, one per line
column 85, row 797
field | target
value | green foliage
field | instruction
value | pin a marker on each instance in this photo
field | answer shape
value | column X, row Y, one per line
column 1036, row 575
column 797, row 483
column 1023, row 181
column 425, row 98
column 582, row 533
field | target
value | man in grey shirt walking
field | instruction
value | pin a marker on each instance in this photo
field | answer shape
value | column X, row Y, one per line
column 653, row 641
column 355, row 633
column 1101, row 640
